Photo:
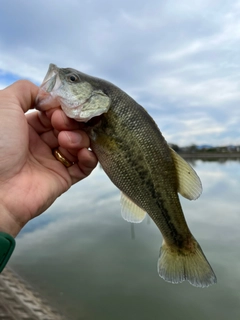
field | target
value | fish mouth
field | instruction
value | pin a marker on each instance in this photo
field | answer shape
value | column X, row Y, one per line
column 50, row 83
column 50, row 80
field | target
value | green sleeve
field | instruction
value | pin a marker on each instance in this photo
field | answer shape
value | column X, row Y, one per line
column 7, row 245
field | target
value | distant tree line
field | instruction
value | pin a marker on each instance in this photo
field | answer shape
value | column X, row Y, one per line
column 205, row 149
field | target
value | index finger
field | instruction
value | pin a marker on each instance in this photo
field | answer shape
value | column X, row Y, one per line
column 21, row 92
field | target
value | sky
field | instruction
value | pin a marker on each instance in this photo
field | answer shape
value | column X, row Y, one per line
column 178, row 59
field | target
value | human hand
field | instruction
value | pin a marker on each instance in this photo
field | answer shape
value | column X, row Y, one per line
column 30, row 176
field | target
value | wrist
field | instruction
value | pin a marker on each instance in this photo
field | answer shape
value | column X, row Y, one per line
column 7, row 222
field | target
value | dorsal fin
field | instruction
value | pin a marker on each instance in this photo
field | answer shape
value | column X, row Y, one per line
column 189, row 183
column 130, row 211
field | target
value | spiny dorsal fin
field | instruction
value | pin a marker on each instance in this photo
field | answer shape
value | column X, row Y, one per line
column 130, row 211
column 189, row 183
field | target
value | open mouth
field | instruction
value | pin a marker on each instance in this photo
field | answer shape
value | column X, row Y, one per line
column 51, row 81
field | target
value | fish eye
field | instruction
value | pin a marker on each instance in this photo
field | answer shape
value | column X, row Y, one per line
column 73, row 78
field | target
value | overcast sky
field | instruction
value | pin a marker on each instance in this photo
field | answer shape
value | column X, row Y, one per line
column 179, row 59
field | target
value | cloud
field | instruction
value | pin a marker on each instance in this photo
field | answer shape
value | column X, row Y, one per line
column 212, row 92
column 176, row 59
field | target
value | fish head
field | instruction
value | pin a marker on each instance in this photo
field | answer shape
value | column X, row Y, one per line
column 78, row 98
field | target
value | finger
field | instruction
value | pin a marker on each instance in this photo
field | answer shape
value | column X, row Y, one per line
column 50, row 139
column 87, row 161
column 77, row 139
column 68, row 142
column 39, row 121
column 61, row 122
column 23, row 93
column 68, row 154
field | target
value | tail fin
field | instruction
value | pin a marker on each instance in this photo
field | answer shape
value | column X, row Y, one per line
column 176, row 266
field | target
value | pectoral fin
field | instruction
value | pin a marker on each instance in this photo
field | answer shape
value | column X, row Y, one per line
column 130, row 211
column 189, row 183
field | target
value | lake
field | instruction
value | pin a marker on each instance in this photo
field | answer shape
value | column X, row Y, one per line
column 91, row 264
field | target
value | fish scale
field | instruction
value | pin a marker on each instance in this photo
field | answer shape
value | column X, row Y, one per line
column 141, row 183
column 138, row 160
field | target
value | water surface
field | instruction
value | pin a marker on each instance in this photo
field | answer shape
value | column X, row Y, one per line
column 91, row 264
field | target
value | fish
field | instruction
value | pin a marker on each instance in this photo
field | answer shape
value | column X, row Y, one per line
column 136, row 157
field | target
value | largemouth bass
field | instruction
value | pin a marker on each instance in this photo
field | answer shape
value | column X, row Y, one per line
column 138, row 160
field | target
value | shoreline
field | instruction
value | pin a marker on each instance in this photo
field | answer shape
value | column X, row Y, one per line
column 205, row 155
column 19, row 301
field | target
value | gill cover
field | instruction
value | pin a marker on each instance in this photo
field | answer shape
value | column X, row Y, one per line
column 94, row 105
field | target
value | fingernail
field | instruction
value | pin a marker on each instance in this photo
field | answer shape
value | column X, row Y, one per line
column 73, row 137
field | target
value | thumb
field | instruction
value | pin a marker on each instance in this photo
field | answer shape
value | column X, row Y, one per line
column 22, row 92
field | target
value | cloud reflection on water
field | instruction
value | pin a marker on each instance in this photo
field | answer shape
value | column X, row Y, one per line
column 86, row 253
